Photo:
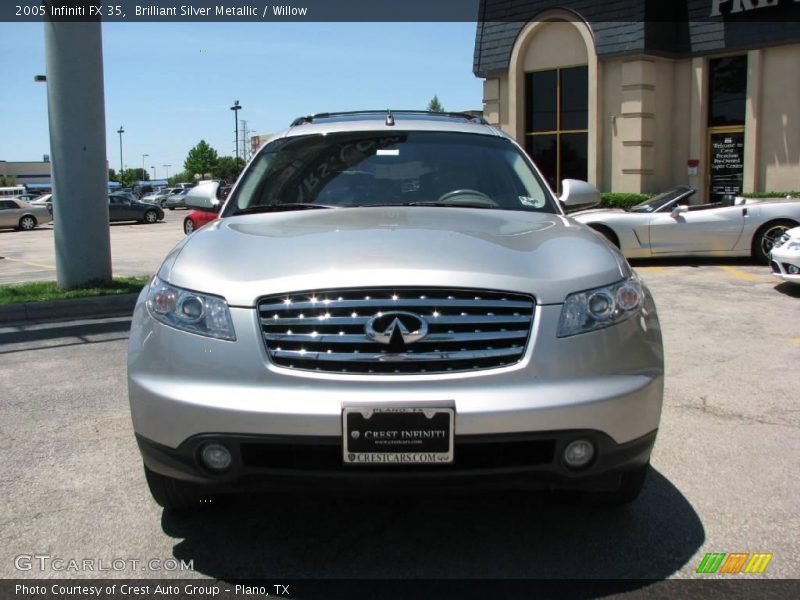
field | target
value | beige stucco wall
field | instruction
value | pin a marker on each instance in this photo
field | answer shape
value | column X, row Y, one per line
column 648, row 115
column 778, row 166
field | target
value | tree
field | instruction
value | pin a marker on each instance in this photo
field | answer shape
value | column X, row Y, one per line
column 201, row 159
column 434, row 105
column 228, row 168
column 7, row 180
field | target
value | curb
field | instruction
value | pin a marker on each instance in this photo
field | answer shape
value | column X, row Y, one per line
column 94, row 307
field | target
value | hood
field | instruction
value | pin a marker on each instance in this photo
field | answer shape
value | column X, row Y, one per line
column 243, row 258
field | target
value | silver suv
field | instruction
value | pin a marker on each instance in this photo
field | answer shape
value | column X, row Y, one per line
column 394, row 299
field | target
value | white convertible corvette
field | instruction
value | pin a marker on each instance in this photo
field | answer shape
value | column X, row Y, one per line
column 667, row 225
column 785, row 256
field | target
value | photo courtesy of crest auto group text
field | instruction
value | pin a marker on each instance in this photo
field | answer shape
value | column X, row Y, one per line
column 351, row 300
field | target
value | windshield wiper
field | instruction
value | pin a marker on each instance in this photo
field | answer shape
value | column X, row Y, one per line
column 449, row 204
column 266, row 208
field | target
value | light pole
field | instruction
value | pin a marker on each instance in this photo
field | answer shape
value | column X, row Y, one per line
column 167, row 168
column 143, row 172
column 236, row 108
column 120, row 131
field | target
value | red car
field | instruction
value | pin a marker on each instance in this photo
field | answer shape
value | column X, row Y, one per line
column 196, row 219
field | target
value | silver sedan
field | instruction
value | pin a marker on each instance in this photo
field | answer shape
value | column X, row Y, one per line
column 668, row 225
column 21, row 215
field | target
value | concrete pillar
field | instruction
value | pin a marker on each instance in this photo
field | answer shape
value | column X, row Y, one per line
column 636, row 126
column 76, row 107
column 752, row 121
column 698, row 123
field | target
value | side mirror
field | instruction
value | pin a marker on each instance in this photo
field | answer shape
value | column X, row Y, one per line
column 678, row 210
column 204, row 198
column 578, row 195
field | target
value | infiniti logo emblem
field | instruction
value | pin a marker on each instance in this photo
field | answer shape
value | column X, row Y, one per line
column 396, row 329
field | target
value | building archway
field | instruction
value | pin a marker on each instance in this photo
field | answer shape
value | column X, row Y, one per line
column 556, row 39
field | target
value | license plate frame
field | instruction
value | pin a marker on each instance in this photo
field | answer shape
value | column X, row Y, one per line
column 397, row 435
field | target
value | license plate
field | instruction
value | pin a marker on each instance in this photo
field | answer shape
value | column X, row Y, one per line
column 397, row 435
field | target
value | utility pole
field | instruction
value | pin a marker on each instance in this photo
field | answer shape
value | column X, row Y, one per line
column 245, row 141
column 76, row 114
column 236, row 108
column 120, row 131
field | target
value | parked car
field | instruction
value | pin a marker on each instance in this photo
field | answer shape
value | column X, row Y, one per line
column 667, row 225
column 42, row 200
column 17, row 214
column 196, row 219
column 122, row 209
column 177, row 199
column 405, row 305
column 28, row 197
column 159, row 197
column 125, row 194
column 785, row 256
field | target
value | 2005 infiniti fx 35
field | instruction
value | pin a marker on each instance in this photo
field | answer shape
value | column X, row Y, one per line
column 394, row 299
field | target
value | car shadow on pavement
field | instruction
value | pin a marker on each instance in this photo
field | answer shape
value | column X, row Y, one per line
column 789, row 289
column 696, row 261
column 499, row 535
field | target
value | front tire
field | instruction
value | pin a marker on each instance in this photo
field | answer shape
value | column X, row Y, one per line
column 188, row 226
column 150, row 217
column 173, row 494
column 765, row 239
column 27, row 223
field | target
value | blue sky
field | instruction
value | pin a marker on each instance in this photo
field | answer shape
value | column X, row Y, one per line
column 171, row 84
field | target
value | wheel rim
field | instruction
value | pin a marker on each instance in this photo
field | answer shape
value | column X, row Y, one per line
column 27, row 223
column 150, row 217
column 770, row 236
column 188, row 227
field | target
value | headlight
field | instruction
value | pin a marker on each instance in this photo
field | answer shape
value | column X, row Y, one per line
column 601, row 307
column 190, row 311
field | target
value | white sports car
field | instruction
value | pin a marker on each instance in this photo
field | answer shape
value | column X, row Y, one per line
column 785, row 256
column 667, row 225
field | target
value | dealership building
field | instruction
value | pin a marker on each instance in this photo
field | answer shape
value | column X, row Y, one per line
column 642, row 96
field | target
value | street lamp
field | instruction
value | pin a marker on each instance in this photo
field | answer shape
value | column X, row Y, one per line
column 120, row 131
column 236, row 108
column 143, row 155
column 167, row 168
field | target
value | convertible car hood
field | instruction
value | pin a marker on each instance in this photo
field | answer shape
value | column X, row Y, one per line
column 243, row 258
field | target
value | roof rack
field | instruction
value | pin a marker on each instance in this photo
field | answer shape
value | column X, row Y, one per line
column 328, row 115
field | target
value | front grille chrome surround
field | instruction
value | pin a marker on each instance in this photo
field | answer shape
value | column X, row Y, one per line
column 468, row 330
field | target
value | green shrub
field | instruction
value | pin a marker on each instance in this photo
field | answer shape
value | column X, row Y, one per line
column 621, row 200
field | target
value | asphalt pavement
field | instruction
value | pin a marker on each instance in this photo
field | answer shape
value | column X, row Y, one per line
column 724, row 475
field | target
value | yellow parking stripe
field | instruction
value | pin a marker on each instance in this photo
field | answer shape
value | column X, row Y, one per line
column 33, row 264
column 744, row 275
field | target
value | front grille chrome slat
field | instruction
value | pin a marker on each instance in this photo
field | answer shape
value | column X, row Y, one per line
column 393, row 358
column 363, row 339
column 335, row 330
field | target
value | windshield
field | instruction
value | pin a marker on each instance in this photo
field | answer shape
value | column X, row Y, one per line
column 420, row 168
column 659, row 201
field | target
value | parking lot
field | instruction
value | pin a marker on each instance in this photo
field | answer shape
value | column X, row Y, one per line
column 723, row 479
column 136, row 248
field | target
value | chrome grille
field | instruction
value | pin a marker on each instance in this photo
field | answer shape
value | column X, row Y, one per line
column 325, row 330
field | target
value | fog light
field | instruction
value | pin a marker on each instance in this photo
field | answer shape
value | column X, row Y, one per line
column 216, row 457
column 579, row 453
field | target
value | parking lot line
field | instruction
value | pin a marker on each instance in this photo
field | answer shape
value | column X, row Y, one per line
column 33, row 264
column 744, row 275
